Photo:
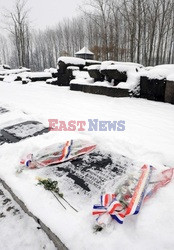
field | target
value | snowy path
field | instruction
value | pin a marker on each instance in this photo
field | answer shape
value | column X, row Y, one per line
column 148, row 138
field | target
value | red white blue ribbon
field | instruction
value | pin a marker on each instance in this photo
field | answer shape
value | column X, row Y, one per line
column 64, row 153
column 166, row 177
column 140, row 191
column 111, row 206
column 27, row 160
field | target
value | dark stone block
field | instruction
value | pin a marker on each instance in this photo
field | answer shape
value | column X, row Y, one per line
column 116, row 75
column 64, row 79
column 63, row 66
column 18, row 78
column 104, row 72
column 26, row 81
column 37, row 79
column 53, row 82
column 6, row 67
column 21, row 131
column 169, row 93
column 54, row 75
column 118, row 92
column 3, row 139
column 101, row 90
column 85, row 56
column 90, row 172
column 76, row 87
column 90, row 62
column 95, row 73
column 152, row 89
column 85, row 68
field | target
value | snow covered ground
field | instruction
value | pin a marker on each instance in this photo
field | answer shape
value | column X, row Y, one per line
column 18, row 230
column 148, row 138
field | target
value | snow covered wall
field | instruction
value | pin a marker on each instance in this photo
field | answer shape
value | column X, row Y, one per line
column 110, row 78
column 157, row 83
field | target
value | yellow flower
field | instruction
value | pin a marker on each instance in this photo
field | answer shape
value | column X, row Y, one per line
column 41, row 179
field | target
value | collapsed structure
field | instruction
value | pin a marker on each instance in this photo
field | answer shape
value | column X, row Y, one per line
column 111, row 78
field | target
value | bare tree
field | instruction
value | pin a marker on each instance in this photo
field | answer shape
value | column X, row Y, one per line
column 124, row 30
column 18, row 26
column 4, row 52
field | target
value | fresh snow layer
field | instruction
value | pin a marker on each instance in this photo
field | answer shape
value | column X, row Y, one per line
column 133, row 74
column 122, row 66
column 73, row 68
column 105, row 64
column 39, row 74
column 148, row 138
column 18, row 230
column 159, row 71
column 95, row 66
column 92, row 61
column 71, row 60
column 133, row 80
column 170, row 77
column 51, row 80
column 14, row 71
column 25, row 75
column 51, row 70
column 81, row 75
column 84, row 50
column 82, row 80
column 10, row 78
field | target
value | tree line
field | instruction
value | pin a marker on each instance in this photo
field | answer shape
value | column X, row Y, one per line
column 139, row 31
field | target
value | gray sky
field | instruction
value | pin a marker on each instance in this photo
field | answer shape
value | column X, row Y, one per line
column 47, row 12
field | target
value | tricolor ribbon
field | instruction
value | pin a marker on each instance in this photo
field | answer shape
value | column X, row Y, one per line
column 27, row 160
column 67, row 151
column 111, row 206
column 140, row 191
column 166, row 177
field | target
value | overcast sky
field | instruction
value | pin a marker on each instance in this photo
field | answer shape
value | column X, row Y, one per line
column 47, row 12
